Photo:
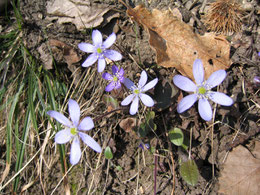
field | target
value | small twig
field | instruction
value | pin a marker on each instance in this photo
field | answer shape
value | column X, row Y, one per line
column 212, row 137
column 172, row 159
column 155, row 172
column 190, row 143
column 107, row 172
column 102, row 116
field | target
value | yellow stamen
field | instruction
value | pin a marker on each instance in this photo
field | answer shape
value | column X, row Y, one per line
column 202, row 90
column 99, row 50
column 73, row 131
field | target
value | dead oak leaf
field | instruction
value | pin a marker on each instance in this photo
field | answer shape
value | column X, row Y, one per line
column 241, row 173
column 69, row 53
column 128, row 124
column 176, row 44
column 82, row 13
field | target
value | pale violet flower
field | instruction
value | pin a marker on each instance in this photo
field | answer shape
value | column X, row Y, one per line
column 201, row 90
column 100, row 50
column 138, row 92
column 115, row 79
column 74, row 130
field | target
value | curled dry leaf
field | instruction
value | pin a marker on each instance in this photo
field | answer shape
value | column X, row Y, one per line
column 84, row 14
column 70, row 55
column 128, row 124
column 241, row 173
column 176, row 44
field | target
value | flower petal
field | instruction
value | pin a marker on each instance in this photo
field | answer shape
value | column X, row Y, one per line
column 97, row 38
column 86, row 47
column 121, row 73
column 186, row 102
column 205, row 110
column 184, row 83
column 86, row 124
column 90, row 142
column 129, row 84
column 146, row 99
column 221, row 98
column 112, row 55
column 128, row 100
column 63, row 136
column 101, row 64
column 75, row 151
column 107, row 76
column 91, row 59
column 216, row 78
column 134, row 106
column 110, row 86
column 110, row 40
column 143, row 79
column 60, row 117
column 114, row 69
column 150, row 85
column 198, row 71
column 117, row 85
column 74, row 111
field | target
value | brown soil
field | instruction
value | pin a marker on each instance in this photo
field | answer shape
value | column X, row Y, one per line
column 137, row 173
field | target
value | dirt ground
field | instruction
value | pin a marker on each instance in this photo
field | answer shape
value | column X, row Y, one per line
column 131, row 169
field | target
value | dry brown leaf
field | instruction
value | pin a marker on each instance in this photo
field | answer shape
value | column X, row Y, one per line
column 82, row 13
column 128, row 124
column 45, row 56
column 70, row 55
column 241, row 173
column 178, row 46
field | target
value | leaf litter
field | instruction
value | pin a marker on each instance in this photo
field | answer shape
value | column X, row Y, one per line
column 241, row 173
column 177, row 45
column 82, row 14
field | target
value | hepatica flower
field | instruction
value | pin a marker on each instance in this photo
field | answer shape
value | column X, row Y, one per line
column 138, row 93
column 74, row 130
column 115, row 79
column 100, row 50
column 201, row 90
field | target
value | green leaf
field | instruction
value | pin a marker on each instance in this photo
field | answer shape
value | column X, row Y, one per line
column 110, row 101
column 108, row 153
column 150, row 115
column 176, row 136
column 189, row 172
column 119, row 168
column 185, row 147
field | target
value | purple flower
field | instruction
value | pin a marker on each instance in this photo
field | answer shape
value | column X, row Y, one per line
column 99, row 50
column 115, row 80
column 72, row 131
column 201, row 90
column 144, row 146
column 138, row 92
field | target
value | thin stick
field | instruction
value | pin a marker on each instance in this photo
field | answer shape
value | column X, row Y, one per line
column 190, row 143
column 212, row 142
column 155, row 172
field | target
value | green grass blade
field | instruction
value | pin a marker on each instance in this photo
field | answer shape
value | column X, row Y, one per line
column 9, row 124
column 53, row 107
column 31, row 97
column 20, row 155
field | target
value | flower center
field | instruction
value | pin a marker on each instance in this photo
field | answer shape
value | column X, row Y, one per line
column 73, row 131
column 115, row 79
column 99, row 50
column 202, row 90
column 136, row 91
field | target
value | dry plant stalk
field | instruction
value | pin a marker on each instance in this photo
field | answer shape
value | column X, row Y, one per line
column 224, row 16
